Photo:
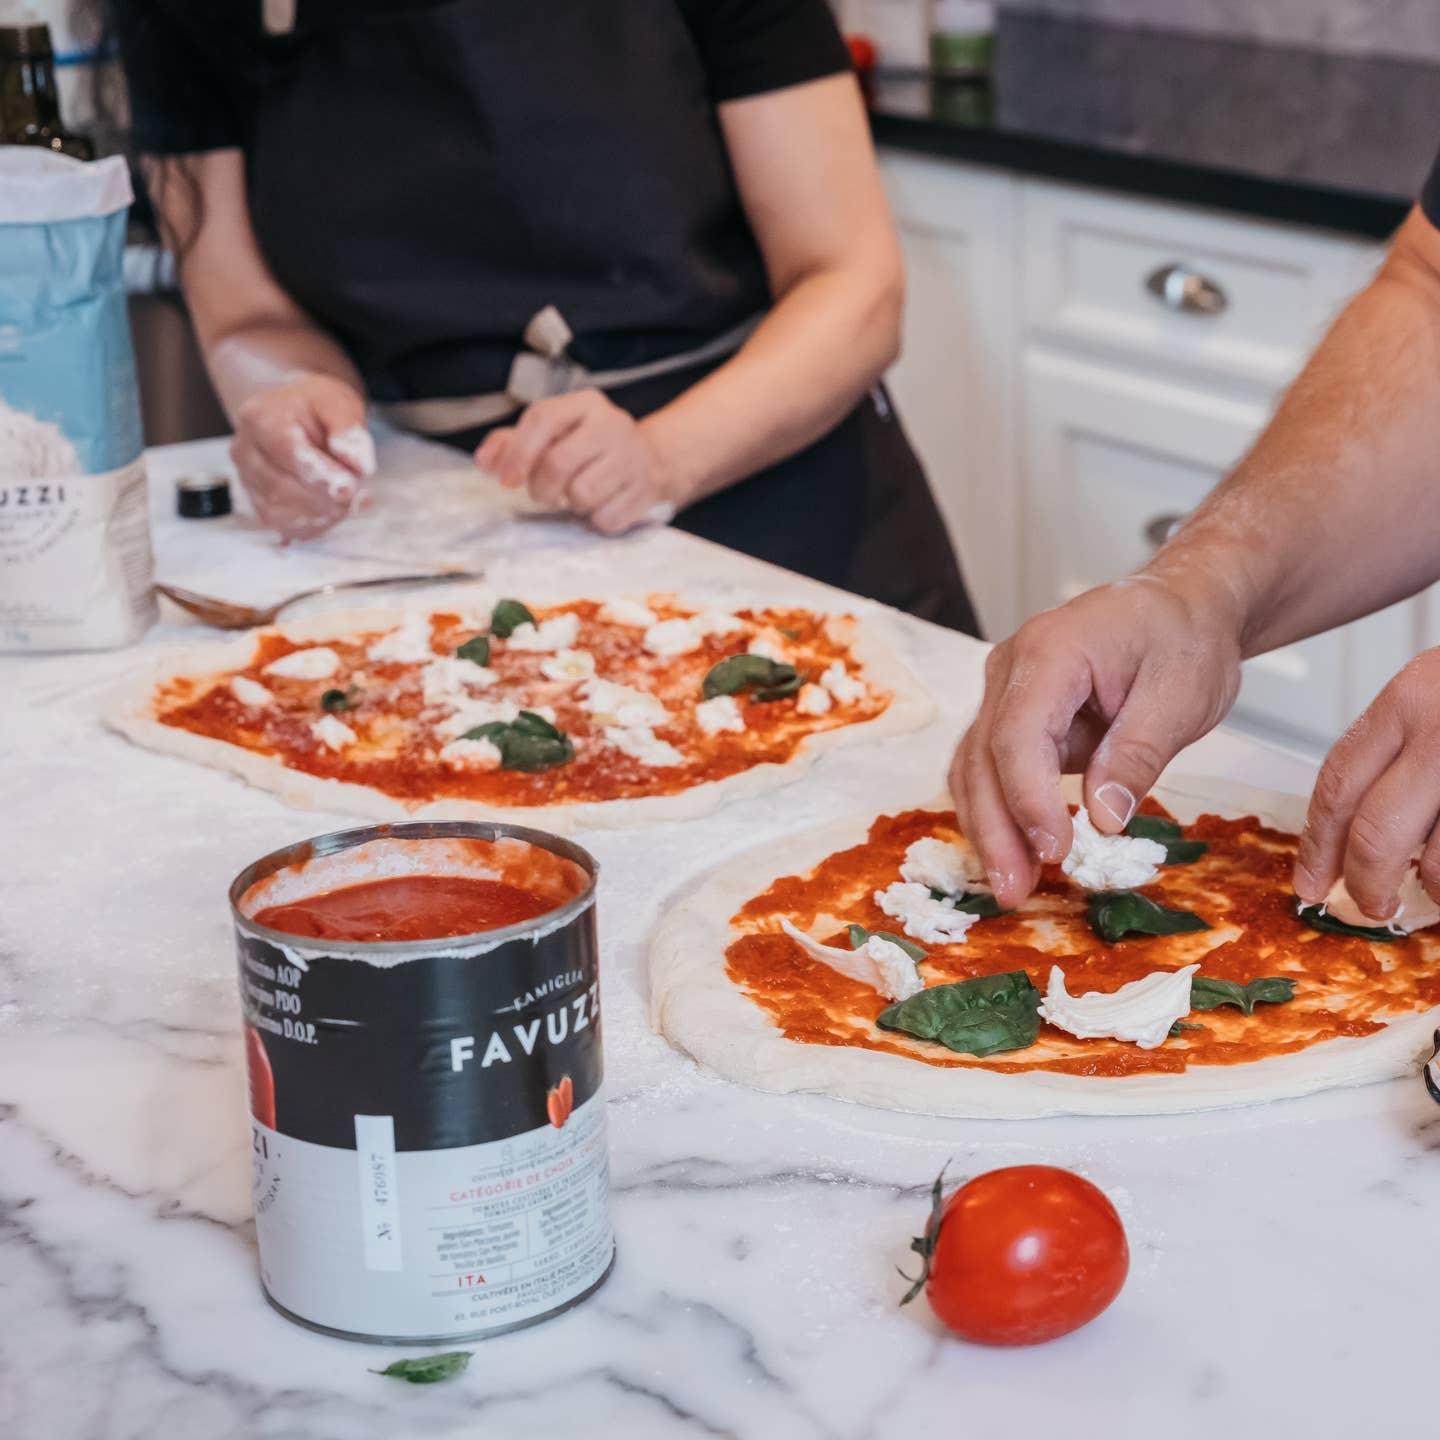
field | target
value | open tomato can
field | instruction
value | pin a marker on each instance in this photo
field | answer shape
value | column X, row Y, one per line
column 430, row 1160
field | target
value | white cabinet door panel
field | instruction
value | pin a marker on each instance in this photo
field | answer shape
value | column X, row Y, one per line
column 955, row 383
column 1107, row 454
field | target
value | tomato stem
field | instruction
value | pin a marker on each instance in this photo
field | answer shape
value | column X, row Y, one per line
column 924, row 1245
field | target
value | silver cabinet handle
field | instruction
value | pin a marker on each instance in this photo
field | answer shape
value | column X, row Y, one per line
column 1159, row 528
column 1185, row 290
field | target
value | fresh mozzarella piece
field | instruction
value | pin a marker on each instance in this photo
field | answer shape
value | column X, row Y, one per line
column 879, row 963
column 569, row 665
column 769, row 646
column 474, row 713
column 477, row 754
column 410, row 643
column 332, row 731
column 812, row 700
column 922, row 916
column 624, row 611
column 1416, row 910
column 943, row 865
column 716, row 622
column 320, row 662
column 1142, row 1011
column 250, row 692
column 556, row 633
column 612, row 704
column 841, row 684
column 640, row 743
column 1110, row 862
column 721, row 713
column 673, row 637
column 448, row 682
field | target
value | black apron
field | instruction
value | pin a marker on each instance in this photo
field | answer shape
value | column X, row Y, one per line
column 425, row 179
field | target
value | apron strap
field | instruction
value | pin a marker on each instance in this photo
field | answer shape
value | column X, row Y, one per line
column 544, row 368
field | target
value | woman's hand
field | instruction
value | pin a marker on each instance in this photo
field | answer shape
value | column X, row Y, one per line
column 301, row 449
column 1377, row 798
column 1113, row 684
column 583, row 453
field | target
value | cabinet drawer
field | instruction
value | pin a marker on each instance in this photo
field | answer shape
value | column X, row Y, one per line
column 1237, row 299
column 1110, row 456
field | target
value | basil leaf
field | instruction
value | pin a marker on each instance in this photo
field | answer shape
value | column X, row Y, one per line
column 333, row 700
column 1113, row 914
column 1181, row 1025
column 984, row 1016
column 427, row 1369
column 1317, row 918
column 529, row 742
column 980, row 903
column 1178, row 850
column 1207, row 993
column 859, row 935
column 770, row 679
column 507, row 616
column 477, row 649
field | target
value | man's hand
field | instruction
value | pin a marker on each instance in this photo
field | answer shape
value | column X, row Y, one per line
column 583, row 453
column 301, row 450
column 1375, row 803
column 1113, row 684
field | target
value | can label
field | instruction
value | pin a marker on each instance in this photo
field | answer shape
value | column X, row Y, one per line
column 429, row 1136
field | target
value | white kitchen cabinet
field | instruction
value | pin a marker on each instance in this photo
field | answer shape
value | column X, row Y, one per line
column 1080, row 366
column 1112, row 457
column 955, row 384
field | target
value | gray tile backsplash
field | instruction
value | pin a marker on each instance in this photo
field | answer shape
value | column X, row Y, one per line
column 1406, row 28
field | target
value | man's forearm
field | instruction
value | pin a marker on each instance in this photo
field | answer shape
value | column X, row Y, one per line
column 1334, row 512
column 814, row 355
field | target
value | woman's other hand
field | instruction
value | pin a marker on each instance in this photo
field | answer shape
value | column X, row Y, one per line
column 301, row 450
column 583, row 453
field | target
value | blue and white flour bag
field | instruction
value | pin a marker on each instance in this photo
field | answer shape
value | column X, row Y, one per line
column 75, row 562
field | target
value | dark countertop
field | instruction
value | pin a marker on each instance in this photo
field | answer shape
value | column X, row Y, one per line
column 1338, row 141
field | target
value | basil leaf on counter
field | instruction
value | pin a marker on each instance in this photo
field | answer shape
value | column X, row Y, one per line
column 1319, row 919
column 1178, row 850
column 529, row 742
column 1207, row 993
column 333, row 700
column 1113, row 914
column 507, row 616
column 476, row 649
column 770, row 679
column 859, row 935
column 427, row 1369
column 977, row 902
column 984, row 1016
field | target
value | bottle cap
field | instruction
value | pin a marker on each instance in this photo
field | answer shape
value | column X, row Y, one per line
column 200, row 497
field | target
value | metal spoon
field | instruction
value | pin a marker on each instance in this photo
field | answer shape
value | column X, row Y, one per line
column 228, row 615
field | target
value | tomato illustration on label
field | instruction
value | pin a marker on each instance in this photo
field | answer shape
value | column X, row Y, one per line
column 262, row 1078
column 560, row 1101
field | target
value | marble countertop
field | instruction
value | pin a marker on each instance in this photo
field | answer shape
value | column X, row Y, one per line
column 1281, row 1276
column 1333, row 140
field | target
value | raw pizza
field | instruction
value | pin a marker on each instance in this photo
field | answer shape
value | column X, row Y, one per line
column 584, row 711
column 1171, row 972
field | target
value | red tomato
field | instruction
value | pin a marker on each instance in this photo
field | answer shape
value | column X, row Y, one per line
column 1022, row 1255
column 862, row 52
column 262, row 1079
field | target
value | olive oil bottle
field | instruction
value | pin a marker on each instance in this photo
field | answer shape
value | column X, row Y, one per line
column 29, row 101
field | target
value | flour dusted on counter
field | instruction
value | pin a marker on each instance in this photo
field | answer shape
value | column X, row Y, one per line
column 75, row 563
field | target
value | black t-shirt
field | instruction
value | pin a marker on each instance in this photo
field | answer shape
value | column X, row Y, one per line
column 1430, row 195
column 190, row 67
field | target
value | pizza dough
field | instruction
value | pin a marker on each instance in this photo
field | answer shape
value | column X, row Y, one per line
column 132, row 713
column 698, row 1008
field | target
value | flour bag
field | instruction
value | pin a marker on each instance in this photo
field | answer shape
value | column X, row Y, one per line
column 75, row 563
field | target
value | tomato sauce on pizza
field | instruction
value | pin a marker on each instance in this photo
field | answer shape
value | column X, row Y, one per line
column 1344, row 986
column 392, row 724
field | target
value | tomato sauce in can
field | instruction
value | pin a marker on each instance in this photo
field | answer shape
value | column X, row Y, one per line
column 423, row 1045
